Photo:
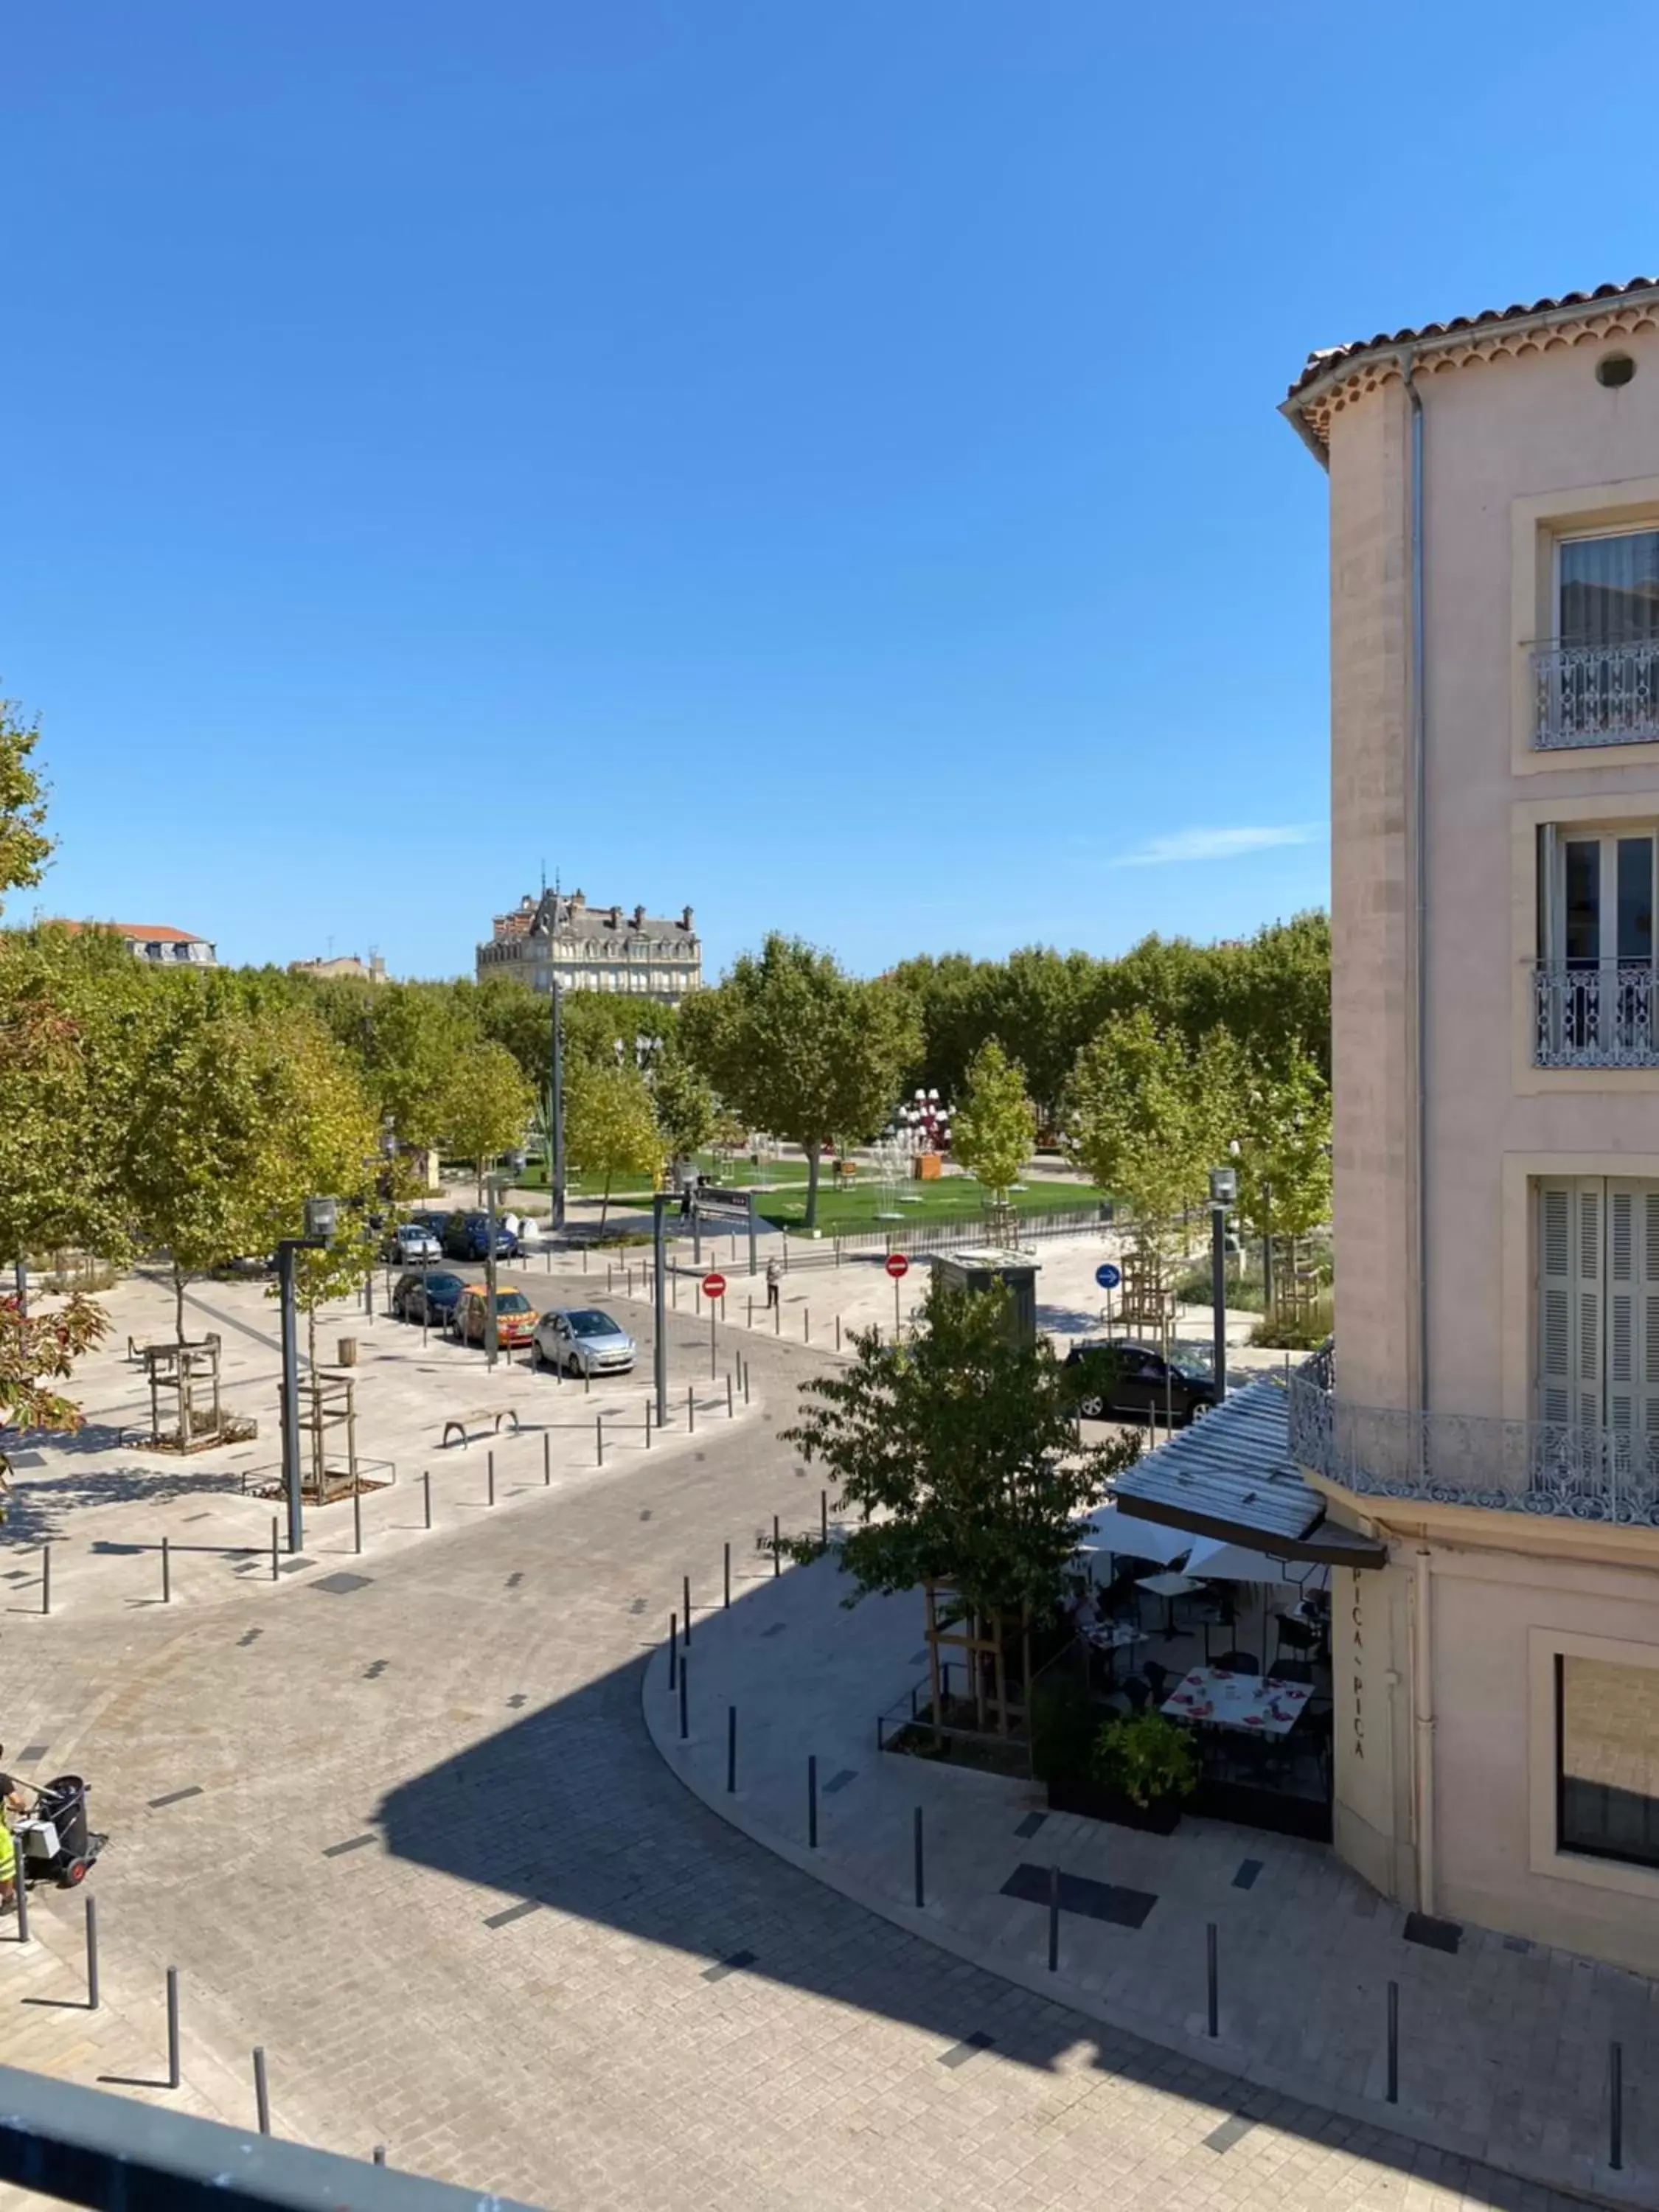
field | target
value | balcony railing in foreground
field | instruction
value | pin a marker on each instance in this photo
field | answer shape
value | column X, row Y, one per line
column 1602, row 1017
column 1555, row 1469
column 85, row 2146
column 1596, row 695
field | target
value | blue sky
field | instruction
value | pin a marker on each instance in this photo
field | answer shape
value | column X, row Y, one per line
column 817, row 463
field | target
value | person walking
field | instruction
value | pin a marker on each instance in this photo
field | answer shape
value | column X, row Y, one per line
column 773, row 1281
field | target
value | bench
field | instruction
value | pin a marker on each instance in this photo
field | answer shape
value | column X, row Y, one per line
column 481, row 1416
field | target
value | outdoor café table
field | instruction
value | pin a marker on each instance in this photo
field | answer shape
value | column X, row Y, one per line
column 1169, row 1587
column 1255, row 1702
column 1112, row 1636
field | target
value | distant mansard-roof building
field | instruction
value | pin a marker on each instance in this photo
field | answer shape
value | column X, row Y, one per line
column 154, row 940
column 594, row 948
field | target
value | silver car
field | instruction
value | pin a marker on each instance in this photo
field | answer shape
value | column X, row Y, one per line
column 582, row 1340
column 411, row 1246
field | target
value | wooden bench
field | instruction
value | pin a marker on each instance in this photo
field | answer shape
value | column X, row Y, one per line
column 481, row 1417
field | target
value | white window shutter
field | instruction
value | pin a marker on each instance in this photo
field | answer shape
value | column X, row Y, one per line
column 1626, row 1303
column 1555, row 1300
column 1588, row 1269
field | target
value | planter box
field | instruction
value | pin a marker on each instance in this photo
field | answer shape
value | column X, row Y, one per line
column 1096, row 1803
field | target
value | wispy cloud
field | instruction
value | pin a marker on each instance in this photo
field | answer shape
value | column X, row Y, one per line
column 1222, row 844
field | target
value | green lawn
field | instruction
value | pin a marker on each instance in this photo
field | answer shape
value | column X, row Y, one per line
column 740, row 1170
column 952, row 1198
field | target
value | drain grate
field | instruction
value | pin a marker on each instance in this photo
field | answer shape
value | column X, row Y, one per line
column 1094, row 1901
column 341, row 1585
column 1433, row 1935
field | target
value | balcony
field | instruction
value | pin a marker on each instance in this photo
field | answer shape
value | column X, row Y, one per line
column 1596, row 695
column 1555, row 1469
column 1600, row 1017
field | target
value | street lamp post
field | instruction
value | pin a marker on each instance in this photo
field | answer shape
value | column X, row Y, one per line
column 320, row 1214
column 555, row 1121
column 494, row 1185
column 1224, row 1190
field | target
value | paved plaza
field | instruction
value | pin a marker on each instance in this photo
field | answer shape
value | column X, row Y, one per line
column 397, row 1819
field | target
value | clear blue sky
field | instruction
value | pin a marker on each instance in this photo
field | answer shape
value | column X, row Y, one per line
column 815, row 462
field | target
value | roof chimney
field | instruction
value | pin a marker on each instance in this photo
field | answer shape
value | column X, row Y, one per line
column 526, row 904
column 685, row 921
column 577, row 902
column 639, row 917
column 615, row 917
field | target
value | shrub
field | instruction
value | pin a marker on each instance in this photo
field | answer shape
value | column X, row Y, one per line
column 1245, row 1293
column 1146, row 1757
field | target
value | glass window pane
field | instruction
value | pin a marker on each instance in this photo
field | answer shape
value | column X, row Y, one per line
column 1636, row 899
column 1583, row 906
column 1609, row 1778
column 1610, row 590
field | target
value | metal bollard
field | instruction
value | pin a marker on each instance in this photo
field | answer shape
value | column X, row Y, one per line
column 730, row 1751
column 690, row 1411
column 1393, row 2043
column 686, row 1670
column 45, row 1578
column 838, row 1332
column 921, row 1892
column 647, row 1424
column 777, row 1318
column 811, row 1801
column 166, row 1573
column 806, row 1324
column 776, row 1551
column 261, row 2091
column 377, row 2156
column 93, row 1998
column 1054, row 1920
column 750, row 1322
column 1213, row 1978
column 726, row 1596
column 357, row 1516
column 426, row 1493
column 587, row 1380
column 491, row 1495
column 175, row 2069
column 273, row 1548
column 547, row 1460
column 599, row 1438
column 746, row 1381
column 20, row 1887
column 731, row 1406
column 673, row 1651
column 685, row 1617
column 823, row 1517
column 1615, row 2104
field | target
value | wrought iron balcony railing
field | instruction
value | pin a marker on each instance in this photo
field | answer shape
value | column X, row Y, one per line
column 1600, row 1016
column 1596, row 695
column 1558, row 1469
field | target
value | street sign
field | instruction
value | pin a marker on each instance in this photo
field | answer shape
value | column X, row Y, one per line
column 898, row 1265
column 714, row 1286
column 1107, row 1276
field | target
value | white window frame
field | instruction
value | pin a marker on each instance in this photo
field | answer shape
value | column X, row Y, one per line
column 1556, row 837
column 1560, row 537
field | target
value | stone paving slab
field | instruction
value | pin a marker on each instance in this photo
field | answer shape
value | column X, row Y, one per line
column 1503, row 2050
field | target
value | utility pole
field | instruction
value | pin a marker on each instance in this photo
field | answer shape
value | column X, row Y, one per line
column 555, row 1119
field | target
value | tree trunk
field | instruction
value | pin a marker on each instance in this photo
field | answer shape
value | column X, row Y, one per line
column 814, row 1153
column 179, row 1300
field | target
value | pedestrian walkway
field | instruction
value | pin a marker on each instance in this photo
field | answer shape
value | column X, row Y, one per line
column 1502, row 2045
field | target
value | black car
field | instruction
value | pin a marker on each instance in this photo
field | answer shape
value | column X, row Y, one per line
column 430, row 1299
column 466, row 1236
column 1125, row 1382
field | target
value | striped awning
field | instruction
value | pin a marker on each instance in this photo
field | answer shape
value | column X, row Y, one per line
column 1231, row 1475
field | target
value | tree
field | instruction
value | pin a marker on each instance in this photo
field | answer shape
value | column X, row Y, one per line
column 25, row 848
column 994, row 1125
column 414, row 1038
column 801, row 1049
column 610, row 1128
column 1284, row 1139
column 959, row 1447
column 685, row 1107
column 489, row 1106
column 1148, row 1119
column 37, row 1350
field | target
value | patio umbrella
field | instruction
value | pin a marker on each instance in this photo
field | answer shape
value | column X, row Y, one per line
column 1132, row 1538
column 1214, row 1560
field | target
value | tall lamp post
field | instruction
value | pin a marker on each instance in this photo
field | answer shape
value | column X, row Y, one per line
column 512, row 1164
column 320, row 1216
column 555, row 1119
column 1223, row 1192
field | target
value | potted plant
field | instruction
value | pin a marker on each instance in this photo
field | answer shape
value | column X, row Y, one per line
column 1144, row 1765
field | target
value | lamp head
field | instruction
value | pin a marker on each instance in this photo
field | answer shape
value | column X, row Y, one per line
column 320, row 1216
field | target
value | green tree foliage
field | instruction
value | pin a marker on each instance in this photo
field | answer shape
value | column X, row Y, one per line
column 25, row 848
column 994, row 1126
column 611, row 1126
column 801, row 1049
column 959, row 1449
column 1149, row 1118
column 1283, row 1129
column 685, row 1106
column 36, row 1351
column 488, row 1106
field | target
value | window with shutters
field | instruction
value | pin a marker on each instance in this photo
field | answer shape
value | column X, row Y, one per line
column 1598, row 1303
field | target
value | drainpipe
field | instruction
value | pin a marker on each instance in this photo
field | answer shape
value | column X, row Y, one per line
column 1420, row 887
column 1423, row 1729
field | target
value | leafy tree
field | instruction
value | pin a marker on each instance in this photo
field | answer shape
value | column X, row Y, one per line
column 37, row 1350
column 413, row 1037
column 611, row 1127
column 489, row 1106
column 685, row 1107
column 25, row 848
column 801, row 1049
column 959, row 1447
column 1149, row 1119
column 994, row 1127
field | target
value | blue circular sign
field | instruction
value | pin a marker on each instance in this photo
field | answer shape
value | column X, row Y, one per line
column 1107, row 1276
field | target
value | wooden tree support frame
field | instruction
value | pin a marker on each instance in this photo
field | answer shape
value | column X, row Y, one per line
column 329, row 1467
column 984, row 1641
column 187, row 1412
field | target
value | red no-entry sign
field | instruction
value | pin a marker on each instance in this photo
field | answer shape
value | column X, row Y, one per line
column 898, row 1265
column 714, row 1286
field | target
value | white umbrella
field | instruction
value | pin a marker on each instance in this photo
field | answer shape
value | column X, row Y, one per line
column 1132, row 1538
column 1213, row 1560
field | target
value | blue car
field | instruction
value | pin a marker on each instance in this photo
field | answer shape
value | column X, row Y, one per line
column 427, row 1296
column 466, row 1236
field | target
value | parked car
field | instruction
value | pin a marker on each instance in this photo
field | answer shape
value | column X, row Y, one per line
column 428, row 1298
column 1126, row 1380
column 411, row 1245
column 466, row 1236
column 582, row 1340
column 515, row 1317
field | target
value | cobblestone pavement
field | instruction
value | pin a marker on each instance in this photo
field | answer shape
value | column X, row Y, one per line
column 407, row 1833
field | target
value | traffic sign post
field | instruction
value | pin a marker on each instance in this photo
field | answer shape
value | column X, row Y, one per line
column 1108, row 1277
column 713, row 1289
column 899, row 1268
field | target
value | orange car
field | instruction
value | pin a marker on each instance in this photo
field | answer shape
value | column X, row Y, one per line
column 515, row 1317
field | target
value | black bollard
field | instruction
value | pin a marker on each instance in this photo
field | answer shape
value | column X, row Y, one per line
column 811, row 1801
column 45, row 1578
column 166, row 1573
column 647, row 1424
column 685, row 1617
column 1214, row 1993
column 175, row 2069
column 690, row 1411
column 746, row 1381
column 261, row 2091
column 547, row 1455
column 1393, row 2043
column 686, row 1670
column 823, row 1517
column 1054, row 1920
column 726, row 1596
column 378, row 2155
column 921, row 1892
column 93, row 1998
column 838, row 1332
column 673, row 1650
column 1615, row 2104
column 730, row 1751
column 21, row 1890
column 425, row 1492
column 273, row 1548
column 599, row 1438
column 490, row 1497
column 731, row 1404
column 357, row 1516
column 777, row 1551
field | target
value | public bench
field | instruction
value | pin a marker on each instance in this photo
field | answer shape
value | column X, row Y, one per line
column 482, row 1418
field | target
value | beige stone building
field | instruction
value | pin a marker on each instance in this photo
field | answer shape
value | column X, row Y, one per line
column 1490, row 1409
column 594, row 948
